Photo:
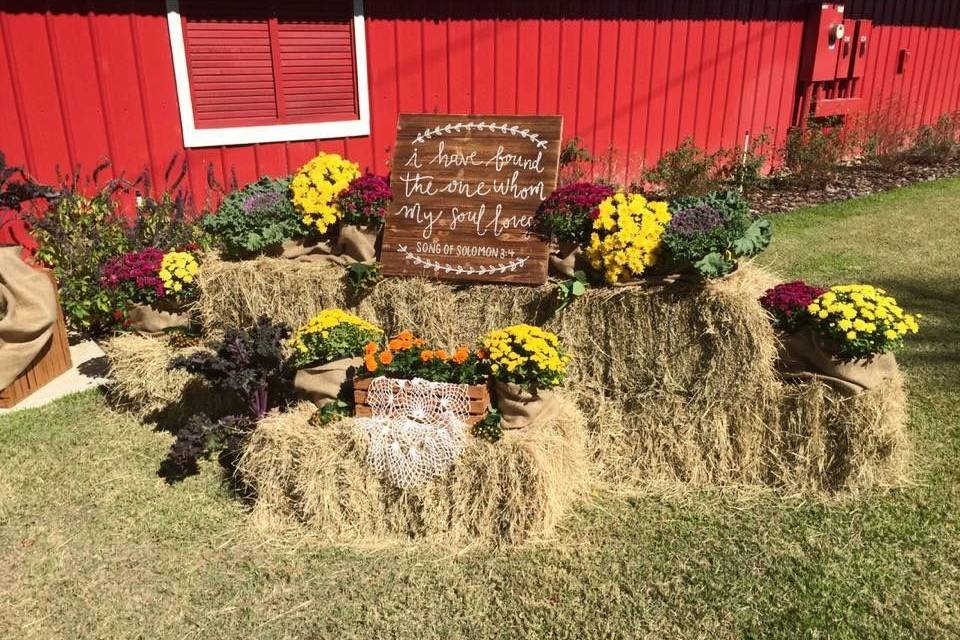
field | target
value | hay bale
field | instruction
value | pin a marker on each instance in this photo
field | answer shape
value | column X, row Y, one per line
column 830, row 442
column 141, row 381
column 235, row 294
column 501, row 494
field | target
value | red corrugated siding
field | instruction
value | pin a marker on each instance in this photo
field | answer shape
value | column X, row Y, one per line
column 637, row 77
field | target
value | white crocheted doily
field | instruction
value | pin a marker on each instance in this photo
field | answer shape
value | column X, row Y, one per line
column 418, row 428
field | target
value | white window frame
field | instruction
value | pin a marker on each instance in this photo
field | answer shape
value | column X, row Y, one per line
column 220, row 136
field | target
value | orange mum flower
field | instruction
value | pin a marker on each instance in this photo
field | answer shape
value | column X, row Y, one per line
column 400, row 343
column 386, row 357
column 443, row 355
column 461, row 355
column 426, row 356
column 370, row 362
column 370, row 349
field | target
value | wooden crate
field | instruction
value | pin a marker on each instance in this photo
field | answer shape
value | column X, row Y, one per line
column 479, row 395
column 53, row 360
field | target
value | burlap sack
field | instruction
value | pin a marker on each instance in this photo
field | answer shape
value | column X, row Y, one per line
column 358, row 243
column 565, row 259
column 309, row 250
column 31, row 314
column 322, row 383
column 519, row 408
column 150, row 319
column 805, row 355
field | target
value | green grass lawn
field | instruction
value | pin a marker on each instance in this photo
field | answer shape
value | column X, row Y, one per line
column 95, row 545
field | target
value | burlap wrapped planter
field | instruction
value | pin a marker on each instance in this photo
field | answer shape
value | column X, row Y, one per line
column 323, row 383
column 565, row 258
column 310, row 250
column 520, row 408
column 806, row 355
column 358, row 243
column 353, row 244
column 158, row 317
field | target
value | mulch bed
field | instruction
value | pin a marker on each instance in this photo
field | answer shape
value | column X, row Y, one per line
column 853, row 180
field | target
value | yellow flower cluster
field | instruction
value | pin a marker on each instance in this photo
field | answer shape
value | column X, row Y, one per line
column 177, row 271
column 862, row 316
column 316, row 187
column 525, row 354
column 626, row 236
column 324, row 322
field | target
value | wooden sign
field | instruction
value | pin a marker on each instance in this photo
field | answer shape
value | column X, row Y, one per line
column 466, row 190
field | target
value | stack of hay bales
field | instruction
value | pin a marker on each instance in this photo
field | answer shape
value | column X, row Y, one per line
column 678, row 384
column 500, row 494
column 678, row 381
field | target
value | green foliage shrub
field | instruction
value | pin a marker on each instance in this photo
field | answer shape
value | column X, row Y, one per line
column 744, row 167
column 812, row 154
column 77, row 234
column 687, row 170
column 937, row 142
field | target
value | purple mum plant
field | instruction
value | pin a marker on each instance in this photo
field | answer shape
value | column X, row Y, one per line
column 134, row 276
column 787, row 303
column 364, row 203
column 570, row 210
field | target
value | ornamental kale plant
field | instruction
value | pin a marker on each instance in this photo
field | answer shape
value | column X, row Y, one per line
column 787, row 303
column 723, row 200
column 364, row 203
column 256, row 218
column 570, row 210
column 709, row 233
column 201, row 437
column 695, row 232
column 134, row 277
column 245, row 363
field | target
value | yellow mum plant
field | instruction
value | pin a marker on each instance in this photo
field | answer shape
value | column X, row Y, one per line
column 317, row 185
column 861, row 320
column 525, row 355
column 331, row 335
column 626, row 236
column 177, row 272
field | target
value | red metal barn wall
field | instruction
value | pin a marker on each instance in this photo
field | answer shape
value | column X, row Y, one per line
column 80, row 82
